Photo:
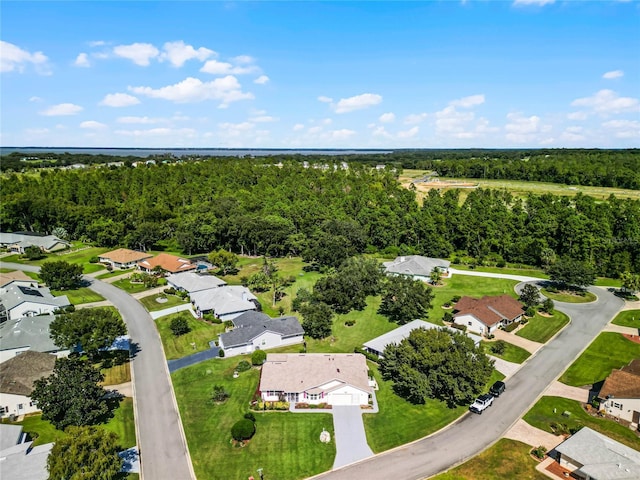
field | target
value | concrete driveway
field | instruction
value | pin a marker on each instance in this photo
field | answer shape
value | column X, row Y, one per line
column 351, row 441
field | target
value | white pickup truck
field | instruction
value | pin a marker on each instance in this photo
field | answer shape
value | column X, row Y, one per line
column 482, row 402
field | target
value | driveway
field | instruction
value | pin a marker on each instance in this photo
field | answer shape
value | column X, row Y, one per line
column 528, row 345
column 351, row 441
column 532, row 436
column 198, row 357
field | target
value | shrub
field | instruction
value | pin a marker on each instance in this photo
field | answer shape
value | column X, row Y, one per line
column 447, row 304
column 457, row 326
column 448, row 317
column 258, row 357
column 179, row 326
column 33, row 252
column 455, row 299
column 501, row 264
column 350, row 323
column 548, row 306
column 370, row 356
column 530, row 312
column 219, row 394
column 94, row 260
column 170, row 291
column 512, row 326
column 243, row 366
column 524, row 321
column 491, row 336
column 539, row 452
column 499, row 347
column 243, row 430
column 250, row 416
column 221, row 353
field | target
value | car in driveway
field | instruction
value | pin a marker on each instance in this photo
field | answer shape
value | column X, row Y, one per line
column 497, row 388
column 482, row 403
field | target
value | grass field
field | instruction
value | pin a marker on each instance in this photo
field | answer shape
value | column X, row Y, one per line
column 152, row 305
column 512, row 353
column 286, row 445
column 79, row 296
column 126, row 285
column 529, row 272
column 566, row 297
column 177, row 347
column 608, row 351
column 628, row 318
column 116, row 374
column 541, row 329
column 505, row 459
column 79, row 256
column 114, row 273
column 549, row 410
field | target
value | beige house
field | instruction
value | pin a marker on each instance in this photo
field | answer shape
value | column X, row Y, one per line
column 167, row 262
column 620, row 393
column 17, row 376
column 123, row 258
column 334, row 379
column 485, row 315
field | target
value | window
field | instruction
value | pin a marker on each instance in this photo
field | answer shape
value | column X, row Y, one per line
column 617, row 405
column 469, row 323
column 20, row 406
column 314, row 396
column 3, row 410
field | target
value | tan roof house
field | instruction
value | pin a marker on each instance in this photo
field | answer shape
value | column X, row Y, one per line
column 335, row 379
column 487, row 314
column 17, row 376
column 167, row 262
column 620, row 393
column 18, row 277
column 123, row 258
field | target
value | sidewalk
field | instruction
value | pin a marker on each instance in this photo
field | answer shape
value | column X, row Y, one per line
column 168, row 311
column 504, row 367
column 620, row 329
column 528, row 345
column 525, row 433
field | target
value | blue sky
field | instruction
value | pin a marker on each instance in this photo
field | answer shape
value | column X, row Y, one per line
column 527, row 73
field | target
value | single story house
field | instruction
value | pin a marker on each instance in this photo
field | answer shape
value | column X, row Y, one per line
column 17, row 376
column 417, row 267
column 22, row 301
column 485, row 315
column 123, row 258
column 395, row 336
column 167, row 262
column 18, row 241
column 589, row 455
column 20, row 459
column 332, row 378
column 620, row 393
column 226, row 302
column 28, row 333
column 257, row 331
column 192, row 282
column 16, row 277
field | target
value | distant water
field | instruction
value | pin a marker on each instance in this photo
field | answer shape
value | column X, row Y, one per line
column 181, row 152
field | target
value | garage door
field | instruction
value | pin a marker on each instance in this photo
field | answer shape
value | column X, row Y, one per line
column 340, row 399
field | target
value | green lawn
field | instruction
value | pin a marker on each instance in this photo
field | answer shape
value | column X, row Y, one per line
column 81, row 257
column 512, row 352
column 541, row 329
column 608, row 351
column 549, row 410
column 286, row 445
column 114, row 273
column 566, row 297
column 126, row 285
column 506, row 459
column 79, row 296
column 628, row 318
column 177, row 347
column 152, row 305
column 117, row 374
column 529, row 272
column 608, row 282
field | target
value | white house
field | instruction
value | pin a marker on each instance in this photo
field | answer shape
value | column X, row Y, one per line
column 257, row 331
column 192, row 282
column 226, row 302
column 487, row 314
column 17, row 376
column 20, row 460
column 17, row 242
column 334, row 379
column 123, row 258
column 620, row 393
column 28, row 333
column 589, row 455
column 417, row 267
column 19, row 301
column 395, row 336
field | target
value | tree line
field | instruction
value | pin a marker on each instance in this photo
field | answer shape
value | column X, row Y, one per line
column 325, row 213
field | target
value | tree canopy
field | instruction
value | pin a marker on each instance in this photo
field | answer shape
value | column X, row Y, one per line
column 317, row 319
column 569, row 272
column 61, row 275
column 405, row 299
column 436, row 363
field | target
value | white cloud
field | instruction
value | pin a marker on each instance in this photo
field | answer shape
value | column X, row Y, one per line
column 157, row 132
column 215, row 67
column 415, row 118
column 226, row 90
column 140, row 120
column 412, row 132
column 606, row 102
column 342, row 134
column 468, row 102
column 35, row 99
column 450, row 121
column 62, row 109
column 177, row 53
column 380, row 131
column 139, row 53
column 314, row 130
column 357, row 102
column 624, row 128
column 387, row 117
column 613, row 74
column 297, row 127
column 522, row 129
column 14, row 58
column 82, row 60
column 263, row 119
column 243, row 59
column 97, row 43
column 119, row 100
column 324, row 99
column 577, row 116
column 326, row 121
column 92, row 125
column 533, row 2
column 261, row 80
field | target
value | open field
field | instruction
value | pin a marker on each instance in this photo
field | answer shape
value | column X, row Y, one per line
column 79, row 256
column 529, row 272
column 628, row 318
column 152, row 305
column 129, row 287
column 550, row 410
column 200, row 335
column 506, row 459
column 541, row 329
column 517, row 188
column 608, row 351
column 79, row 296
column 512, row 353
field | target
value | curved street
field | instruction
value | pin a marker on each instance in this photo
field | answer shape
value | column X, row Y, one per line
column 161, row 440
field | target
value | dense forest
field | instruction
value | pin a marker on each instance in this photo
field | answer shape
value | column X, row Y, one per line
column 324, row 213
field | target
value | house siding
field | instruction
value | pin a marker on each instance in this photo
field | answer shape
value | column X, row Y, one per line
column 622, row 408
column 31, row 309
column 11, row 403
column 262, row 342
column 473, row 324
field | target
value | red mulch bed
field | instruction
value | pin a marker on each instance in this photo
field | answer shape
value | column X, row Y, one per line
column 633, row 338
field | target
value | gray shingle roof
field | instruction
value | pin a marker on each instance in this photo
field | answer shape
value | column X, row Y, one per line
column 46, row 242
column 224, row 300
column 18, row 373
column 284, row 326
column 15, row 295
column 25, row 462
column 9, row 435
column 32, row 332
column 415, row 265
column 193, row 282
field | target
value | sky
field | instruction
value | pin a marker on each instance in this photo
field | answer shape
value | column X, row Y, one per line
column 432, row 74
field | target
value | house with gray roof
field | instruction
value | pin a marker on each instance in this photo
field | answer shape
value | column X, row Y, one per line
column 20, row 459
column 226, row 302
column 28, row 333
column 192, row 282
column 257, row 331
column 395, row 336
column 417, row 267
column 589, row 455
column 17, row 242
column 26, row 301
column 17, row 376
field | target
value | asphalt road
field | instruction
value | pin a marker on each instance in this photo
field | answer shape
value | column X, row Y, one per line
column 474, row 433
column 161, row 440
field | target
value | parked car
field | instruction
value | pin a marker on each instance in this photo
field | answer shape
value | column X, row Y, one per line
column 482, row 403
column 497, row 388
